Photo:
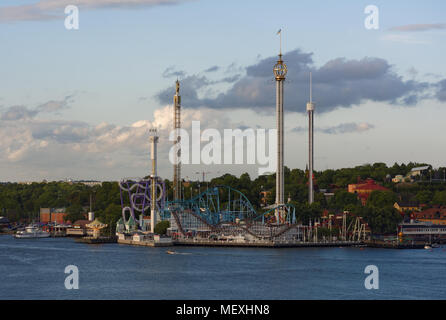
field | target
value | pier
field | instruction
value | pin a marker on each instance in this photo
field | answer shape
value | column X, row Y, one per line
column 394, row 244
column 93, row 240
column 264, row 243
column 146, row 243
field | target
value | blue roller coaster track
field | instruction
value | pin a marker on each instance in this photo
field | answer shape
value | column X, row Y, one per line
column 224, row 204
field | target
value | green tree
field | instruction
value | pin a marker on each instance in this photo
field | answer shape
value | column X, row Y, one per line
column 381, row 199
column 342, row 199
column 424, row 196
column 74, row 213
column 162, row 226
column 439, row 198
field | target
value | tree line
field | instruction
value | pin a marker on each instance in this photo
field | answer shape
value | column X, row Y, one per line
column 22, row 203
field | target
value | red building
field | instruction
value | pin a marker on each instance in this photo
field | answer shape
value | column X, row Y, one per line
column 52, row 215
column 364, row 188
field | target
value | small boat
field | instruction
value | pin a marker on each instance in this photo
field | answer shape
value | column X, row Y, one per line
column 427, row 247
column 170, row 252
column 435, row 245
column 31, row 232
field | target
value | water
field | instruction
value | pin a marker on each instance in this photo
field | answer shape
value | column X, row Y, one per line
column 34, row 269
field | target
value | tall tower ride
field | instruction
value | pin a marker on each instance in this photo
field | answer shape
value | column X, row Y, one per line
column 310, row 110
column 153, row 157
column 280, row 71
column 177, row 153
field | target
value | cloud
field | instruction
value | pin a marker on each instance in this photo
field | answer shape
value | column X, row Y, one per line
column 171, row 72
column 419, row 27
column 63, row 148
column 17, row 113
column 340, row 82
column 54, row 106
column 441, row 93
column 342, row 128
column 20, row 112
column 212, row 69
column 54, row 9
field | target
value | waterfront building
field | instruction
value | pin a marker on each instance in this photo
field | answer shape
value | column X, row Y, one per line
column 435, row 215
column 55, row 215
column 422, row 231
column 79, row 228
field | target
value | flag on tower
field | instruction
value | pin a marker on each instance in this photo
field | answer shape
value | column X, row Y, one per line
column 278, row 32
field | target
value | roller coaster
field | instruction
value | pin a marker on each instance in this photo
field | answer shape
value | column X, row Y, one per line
column 222, row 212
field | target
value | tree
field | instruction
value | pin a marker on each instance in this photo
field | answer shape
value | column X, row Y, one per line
column 343, row 199
column 382, row 220
column 424, row 196
column 110, row 215
column 74, row 213
column 381, row 199
column 439, row 198
column 162, row 226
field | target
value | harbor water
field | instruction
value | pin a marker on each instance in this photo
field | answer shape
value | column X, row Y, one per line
column 34, row 269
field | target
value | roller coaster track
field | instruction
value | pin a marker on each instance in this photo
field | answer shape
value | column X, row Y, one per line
column 219, row 228
column 177, row 220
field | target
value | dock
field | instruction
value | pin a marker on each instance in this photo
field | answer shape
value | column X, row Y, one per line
column 264, row 243
column 91, row 240
column 145, row 243
column 393, row 244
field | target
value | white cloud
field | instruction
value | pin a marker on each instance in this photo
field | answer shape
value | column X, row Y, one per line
column 78, row 149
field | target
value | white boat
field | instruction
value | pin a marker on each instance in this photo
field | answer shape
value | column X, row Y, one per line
column 31, row 232
column 427, row 247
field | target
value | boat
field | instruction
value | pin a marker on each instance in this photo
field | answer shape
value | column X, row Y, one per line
column 170, row 252
column 31, row 232
column 435, row 245
column 427, row 247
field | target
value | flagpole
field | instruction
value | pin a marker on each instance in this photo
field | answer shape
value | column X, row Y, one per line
column 280, row 35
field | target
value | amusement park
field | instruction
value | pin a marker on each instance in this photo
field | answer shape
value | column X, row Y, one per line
column 222, row 215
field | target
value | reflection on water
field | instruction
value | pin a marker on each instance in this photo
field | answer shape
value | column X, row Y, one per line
column 34, row 269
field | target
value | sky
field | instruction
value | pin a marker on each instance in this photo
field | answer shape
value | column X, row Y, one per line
column 78, row 104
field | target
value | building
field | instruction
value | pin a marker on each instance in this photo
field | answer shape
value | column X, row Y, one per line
column 89, row 183
column 435, row 215
column 56, row 215
column 419, row 171
column 404, row 207
column 79, row 228
column 398, row 178
column 422, row 231
column 364, row 188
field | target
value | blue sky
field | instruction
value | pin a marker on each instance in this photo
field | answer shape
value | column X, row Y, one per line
column 110, row 71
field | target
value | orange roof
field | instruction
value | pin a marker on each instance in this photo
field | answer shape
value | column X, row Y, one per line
column 371, row 185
